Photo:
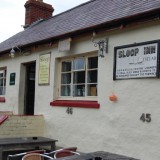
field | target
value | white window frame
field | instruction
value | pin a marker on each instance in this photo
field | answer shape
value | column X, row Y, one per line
column 3, row 71
column 85, row 97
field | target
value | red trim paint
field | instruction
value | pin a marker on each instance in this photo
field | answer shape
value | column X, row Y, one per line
column 3, row 118
column 2, row 99
column 80, row 104
column 24, row 115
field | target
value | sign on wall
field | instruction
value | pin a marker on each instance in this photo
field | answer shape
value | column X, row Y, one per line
column 12, row 78
column 136, row 61
column 44, row 69
column 64, row 45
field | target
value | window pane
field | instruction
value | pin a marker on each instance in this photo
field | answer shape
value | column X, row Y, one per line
column 77, row 80
column 66, row 78
column 79, row 77
column 79, row 90
column 1, row 82
column 5, row 82
column 65, row 90
column 78, row 64
column 1, row 75
column 92, row 62
column 4, row 91
column 92, row 90
column 1, row 90
column 2, row 87
column 92, row 76
column 66, row 66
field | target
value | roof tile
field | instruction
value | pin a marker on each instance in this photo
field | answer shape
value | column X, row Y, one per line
column 86, row 15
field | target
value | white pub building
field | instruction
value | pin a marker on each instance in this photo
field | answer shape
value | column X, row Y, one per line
column 92, row 71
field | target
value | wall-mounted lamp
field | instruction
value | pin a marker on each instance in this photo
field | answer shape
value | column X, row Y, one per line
column 102, row 45
column 12, row 52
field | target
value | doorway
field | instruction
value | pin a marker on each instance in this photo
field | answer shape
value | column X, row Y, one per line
column 29, row 89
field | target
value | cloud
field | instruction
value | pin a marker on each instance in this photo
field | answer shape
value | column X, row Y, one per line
column 13, row 14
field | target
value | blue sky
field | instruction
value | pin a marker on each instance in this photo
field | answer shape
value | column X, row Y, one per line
column 12, row 14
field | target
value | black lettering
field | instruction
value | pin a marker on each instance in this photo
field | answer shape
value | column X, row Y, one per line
column 120, row 53
column 149, row 50
column 136, row 51
column 127, row 53
column 132, row 52
column 153, row 49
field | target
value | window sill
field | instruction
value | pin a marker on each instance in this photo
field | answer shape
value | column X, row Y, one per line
column 72, row 103
column 2, row 100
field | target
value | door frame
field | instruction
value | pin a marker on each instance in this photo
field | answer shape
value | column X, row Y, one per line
column 22, row 86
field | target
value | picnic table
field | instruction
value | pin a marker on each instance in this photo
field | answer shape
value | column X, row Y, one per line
column 25, row 142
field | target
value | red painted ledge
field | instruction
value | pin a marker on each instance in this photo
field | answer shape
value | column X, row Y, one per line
column 80, row 104
column 3, row 118
column 2, row 99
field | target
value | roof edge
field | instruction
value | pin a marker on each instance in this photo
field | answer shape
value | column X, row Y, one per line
column 145, row 16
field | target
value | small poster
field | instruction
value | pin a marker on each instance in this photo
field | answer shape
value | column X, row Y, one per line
column 44, row 69
column 64, row 45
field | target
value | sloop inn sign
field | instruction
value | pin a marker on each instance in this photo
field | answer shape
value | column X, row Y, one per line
column 136, row 60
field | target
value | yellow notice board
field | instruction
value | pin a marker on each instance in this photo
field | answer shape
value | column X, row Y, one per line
column 44, row 69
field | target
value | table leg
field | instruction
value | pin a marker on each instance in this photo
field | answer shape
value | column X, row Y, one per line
column 1, row 153
column 53, row 147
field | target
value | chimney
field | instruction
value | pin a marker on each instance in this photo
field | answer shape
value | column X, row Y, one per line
column 35, row 10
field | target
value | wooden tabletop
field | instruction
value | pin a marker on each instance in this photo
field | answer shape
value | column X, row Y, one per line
column 99, row 155
column 111, row 156
column 25, row 140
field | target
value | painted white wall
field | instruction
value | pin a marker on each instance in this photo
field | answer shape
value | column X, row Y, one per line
column 116, row 126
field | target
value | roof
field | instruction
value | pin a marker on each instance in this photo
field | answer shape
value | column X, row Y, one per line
column 86, row 16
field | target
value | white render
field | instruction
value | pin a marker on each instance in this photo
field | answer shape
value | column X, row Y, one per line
column 114, row 127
